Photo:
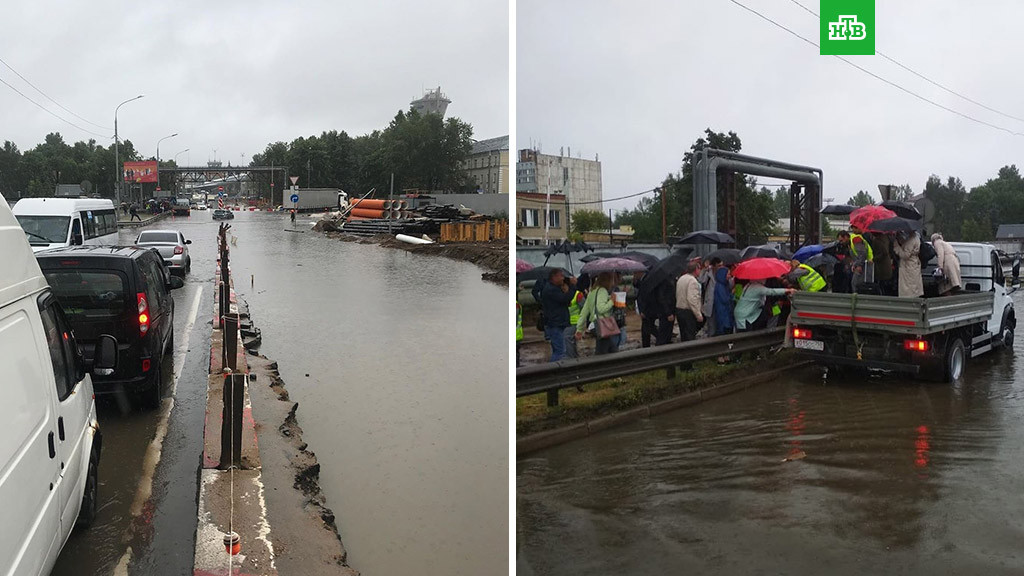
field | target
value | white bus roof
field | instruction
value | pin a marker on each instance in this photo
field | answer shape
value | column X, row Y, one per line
column 59, row 206
column 22, row 275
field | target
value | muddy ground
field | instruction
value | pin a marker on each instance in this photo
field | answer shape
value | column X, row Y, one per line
column 491, row 256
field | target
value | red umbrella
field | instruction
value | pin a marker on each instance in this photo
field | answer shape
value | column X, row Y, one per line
column 761, row 268
column 861, row 218
column 522, row 266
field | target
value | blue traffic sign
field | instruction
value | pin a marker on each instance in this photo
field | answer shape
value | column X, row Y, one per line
column 295, row 198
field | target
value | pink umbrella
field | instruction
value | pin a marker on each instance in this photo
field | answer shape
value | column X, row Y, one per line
column 522, row 266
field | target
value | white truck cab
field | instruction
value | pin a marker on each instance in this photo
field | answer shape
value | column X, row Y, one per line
column 981, row 270
column 50, row 446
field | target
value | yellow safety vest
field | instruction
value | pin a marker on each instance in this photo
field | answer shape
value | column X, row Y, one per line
column 574, row 309
column 519, row 322
column 812, row 281
column 853, row 249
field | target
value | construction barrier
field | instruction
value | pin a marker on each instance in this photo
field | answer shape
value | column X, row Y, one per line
column 474, row 231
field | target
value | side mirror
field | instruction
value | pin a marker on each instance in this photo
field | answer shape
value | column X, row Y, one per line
column 77, row 240
column 176, row 282
column 104, row 356
column 188, row 241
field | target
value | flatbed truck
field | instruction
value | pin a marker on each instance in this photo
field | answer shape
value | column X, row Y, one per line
column 932, row 336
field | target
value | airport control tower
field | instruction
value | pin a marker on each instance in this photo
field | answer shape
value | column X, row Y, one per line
column 432, row 102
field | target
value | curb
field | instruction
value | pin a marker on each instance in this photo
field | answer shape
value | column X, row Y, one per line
column 149, row 220
column 566, row 434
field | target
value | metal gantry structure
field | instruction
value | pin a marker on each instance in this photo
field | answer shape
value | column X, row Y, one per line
column 805, row 192
column 278, row 175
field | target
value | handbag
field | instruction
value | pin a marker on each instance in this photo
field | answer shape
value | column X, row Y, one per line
column 606, row 327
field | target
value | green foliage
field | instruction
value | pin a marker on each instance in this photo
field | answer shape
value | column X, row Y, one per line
column 861, row 198
column 37, row 171
column 588, row 220
column 903, row 193
column 948, row 201
column 780, row 201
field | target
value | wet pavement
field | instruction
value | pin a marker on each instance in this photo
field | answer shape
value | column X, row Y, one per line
column 399, row 364
column 900, row 477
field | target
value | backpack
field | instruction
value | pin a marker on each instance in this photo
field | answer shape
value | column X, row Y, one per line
column 927, row 252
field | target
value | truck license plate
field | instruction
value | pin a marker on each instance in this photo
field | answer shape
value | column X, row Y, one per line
column 816, row 345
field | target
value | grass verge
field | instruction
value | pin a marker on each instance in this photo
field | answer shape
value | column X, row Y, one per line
column 611, row 396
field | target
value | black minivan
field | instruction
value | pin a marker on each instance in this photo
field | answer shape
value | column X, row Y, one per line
column 125, row 292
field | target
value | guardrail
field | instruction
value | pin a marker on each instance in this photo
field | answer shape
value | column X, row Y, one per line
column 552, row 377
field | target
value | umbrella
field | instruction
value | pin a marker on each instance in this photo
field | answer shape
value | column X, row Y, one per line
column 895, row 225
column 838, row 209
column 862, row 218
column 523, row 266
column 707, row 237
column 595, row 255
column 763, row 251
column 728, row 256
column 823, row 261
column 644, row 258
column 666, row 270
column 902, row 209
column 760, row 269
column 612, row 265
column 807, row 251
column 538, row 273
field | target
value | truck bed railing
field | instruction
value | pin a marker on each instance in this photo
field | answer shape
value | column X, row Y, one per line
column 891, row 313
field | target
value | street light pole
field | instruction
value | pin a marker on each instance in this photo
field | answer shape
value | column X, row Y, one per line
column 177, row 188
column 118, row 177
column 158, row 147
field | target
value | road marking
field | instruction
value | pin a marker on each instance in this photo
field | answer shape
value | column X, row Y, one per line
column 155, row 448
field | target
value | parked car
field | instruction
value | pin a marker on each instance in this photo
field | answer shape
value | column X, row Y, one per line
column 181, row 207
column 123, row 291
column 50, row 447
column 220, row 214
column 171, row 245
column 201, row 206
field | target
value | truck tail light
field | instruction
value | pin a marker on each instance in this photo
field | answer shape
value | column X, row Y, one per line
column 143, row 313
column 146, row 364
column 801, row 333
column 179, row 250
column 916, row 345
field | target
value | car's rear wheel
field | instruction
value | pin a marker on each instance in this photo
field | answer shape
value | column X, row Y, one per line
column 151, row 393
column 188, row 266
column 956, row 360
column 87, row 514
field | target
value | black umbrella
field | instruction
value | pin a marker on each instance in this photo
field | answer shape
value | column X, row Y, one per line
column 539, row 273
column 595, row 255
column 666, row 270
column 707, row 237
column 823, row 262
column 729, row 256
column 902, row 209
column 838, row 209
column 763, row 251
column 644, row 258
column 895, row 225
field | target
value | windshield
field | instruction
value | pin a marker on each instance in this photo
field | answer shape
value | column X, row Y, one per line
column 161, row 237
column 88, row 295
column 45, row 229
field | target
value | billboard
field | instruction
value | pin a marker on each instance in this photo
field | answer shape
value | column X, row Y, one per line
column 139, row 172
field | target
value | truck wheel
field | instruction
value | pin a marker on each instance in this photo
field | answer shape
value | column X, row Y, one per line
column 1006, row 333
column 87, row 514
column 150, row 394
column 956, row 360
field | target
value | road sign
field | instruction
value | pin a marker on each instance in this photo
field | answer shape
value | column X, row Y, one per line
column 294, row 179
column 220, row 187
column 295, row 198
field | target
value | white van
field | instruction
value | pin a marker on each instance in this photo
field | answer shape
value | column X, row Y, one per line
column 50, row 446
column 54, row 222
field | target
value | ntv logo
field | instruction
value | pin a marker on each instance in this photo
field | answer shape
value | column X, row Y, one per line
column 847, row 28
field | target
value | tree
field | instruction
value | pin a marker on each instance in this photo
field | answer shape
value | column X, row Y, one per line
column 589, row 220
column 780, row 201
column 947, row 206
column 902, row 193
column 861, row 199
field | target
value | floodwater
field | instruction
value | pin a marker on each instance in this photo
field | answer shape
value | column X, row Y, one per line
column 900, row 477
column 399, row 364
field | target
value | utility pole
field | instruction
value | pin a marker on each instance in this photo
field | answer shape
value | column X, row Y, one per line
column 391, row 193
column 664, row 232
column 611, row 239
column 309, row 180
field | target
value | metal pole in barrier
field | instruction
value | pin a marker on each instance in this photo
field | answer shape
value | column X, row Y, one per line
column 231, row 421
column 231, row 341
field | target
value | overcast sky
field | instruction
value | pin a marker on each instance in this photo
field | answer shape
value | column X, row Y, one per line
column 236, row 75
column 638, row 82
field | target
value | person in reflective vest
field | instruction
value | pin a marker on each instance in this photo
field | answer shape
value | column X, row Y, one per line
column 519, row 329
column 808, row 278
column 860, row 254
column 575, row 305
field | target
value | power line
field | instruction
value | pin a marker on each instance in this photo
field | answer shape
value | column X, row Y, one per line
column 61, row 106
column 614, row 199
column 877, row 77
column 51, row 113
column 922, row 76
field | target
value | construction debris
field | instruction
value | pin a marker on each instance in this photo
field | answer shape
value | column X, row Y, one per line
column 373, row 217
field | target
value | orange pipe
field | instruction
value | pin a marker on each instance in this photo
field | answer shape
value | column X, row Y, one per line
column 370, row 213
column 372, row 204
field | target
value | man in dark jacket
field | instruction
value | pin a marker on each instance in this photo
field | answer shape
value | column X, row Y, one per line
column 554, row 300
column 656, row 305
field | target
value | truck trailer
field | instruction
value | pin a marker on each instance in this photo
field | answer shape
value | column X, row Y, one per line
column 932, row 336
column 315, row 199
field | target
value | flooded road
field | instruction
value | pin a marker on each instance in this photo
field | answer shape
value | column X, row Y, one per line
column 900, row 477
column 399, row 364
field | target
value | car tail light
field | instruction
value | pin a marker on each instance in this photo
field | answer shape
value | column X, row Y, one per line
column 179, row 250
column 916, row 345
column 143, row 313
column 145, row 364
column 801, row 333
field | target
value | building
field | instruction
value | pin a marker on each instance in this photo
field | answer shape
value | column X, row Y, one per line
column 487, row 165
column 579, row 180
column 620, row 236
column 432, row 102
column 1010, row 238
column 533, row 227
